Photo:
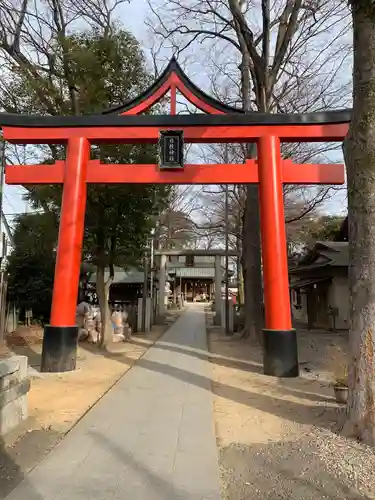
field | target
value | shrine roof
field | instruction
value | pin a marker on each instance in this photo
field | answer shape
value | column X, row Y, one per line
column 323, row 254
column 173, row 76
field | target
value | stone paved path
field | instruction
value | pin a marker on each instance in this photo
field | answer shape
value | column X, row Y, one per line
column 150, row 437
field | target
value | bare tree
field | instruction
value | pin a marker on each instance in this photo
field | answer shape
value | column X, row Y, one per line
column 359, row 150
column 38, row 73
column 301, row 203
column 278, row 47
column 33, row 35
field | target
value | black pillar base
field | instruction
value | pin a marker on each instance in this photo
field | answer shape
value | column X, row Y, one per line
column 280, row 354
column 59, row 353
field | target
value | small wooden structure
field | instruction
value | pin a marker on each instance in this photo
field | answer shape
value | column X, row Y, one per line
column 320, row 287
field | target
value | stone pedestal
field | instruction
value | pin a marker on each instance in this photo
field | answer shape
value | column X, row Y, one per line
column 14, row 386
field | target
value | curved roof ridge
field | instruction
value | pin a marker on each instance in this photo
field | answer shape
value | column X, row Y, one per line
column 173, row 67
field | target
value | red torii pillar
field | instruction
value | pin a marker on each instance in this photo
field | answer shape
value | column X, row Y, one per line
column 61, row 336
column 280, row 356
column 270, row 171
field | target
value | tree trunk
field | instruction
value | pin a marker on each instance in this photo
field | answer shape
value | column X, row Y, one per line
column 251, row 249
column 240, row 284
column 102, row 290
column 359, row 151
column 251, row 265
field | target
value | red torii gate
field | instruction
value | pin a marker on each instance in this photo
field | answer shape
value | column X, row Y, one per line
column 220, row 124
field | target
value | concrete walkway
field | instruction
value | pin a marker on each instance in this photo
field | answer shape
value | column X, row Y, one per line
column 151, row 437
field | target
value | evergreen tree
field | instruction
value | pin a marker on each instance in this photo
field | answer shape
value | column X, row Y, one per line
column 105, row 69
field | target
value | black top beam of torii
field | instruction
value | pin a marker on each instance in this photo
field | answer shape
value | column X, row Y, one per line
column 179, row 121
column 229, row 116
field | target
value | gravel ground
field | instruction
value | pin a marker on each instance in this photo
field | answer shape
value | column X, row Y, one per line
column 318, row 466
column 276, row 437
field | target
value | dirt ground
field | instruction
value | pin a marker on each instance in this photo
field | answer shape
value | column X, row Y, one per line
column 276, row 437
column 57, row 401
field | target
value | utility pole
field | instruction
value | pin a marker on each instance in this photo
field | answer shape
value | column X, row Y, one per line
column 3, row 245
column 152, row 267
column 227, row 332
column 145, row 291
column 175, row 288
column 2, row 171
column 226, row 216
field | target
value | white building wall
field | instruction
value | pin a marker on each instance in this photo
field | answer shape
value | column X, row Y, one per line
column 340, row 299
column 338, row 296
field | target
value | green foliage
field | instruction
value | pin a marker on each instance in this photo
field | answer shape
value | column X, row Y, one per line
column 324, row 228
column 303, row 234
column 105, row 71
column 31, row 264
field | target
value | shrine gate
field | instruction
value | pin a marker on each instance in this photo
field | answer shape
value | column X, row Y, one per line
column 218, row 124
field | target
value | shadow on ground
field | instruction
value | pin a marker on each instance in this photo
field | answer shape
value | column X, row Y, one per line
column 288, row 469
column 23, row 450
column 162, row 488
column 256, row 472
column 16, row 461
column 254, row 365
column 10, row 472
column 294, row 411
column 269, row 403
column 240, row 364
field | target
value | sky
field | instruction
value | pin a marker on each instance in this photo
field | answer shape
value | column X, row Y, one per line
column 133, row 17
column 134, row 21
